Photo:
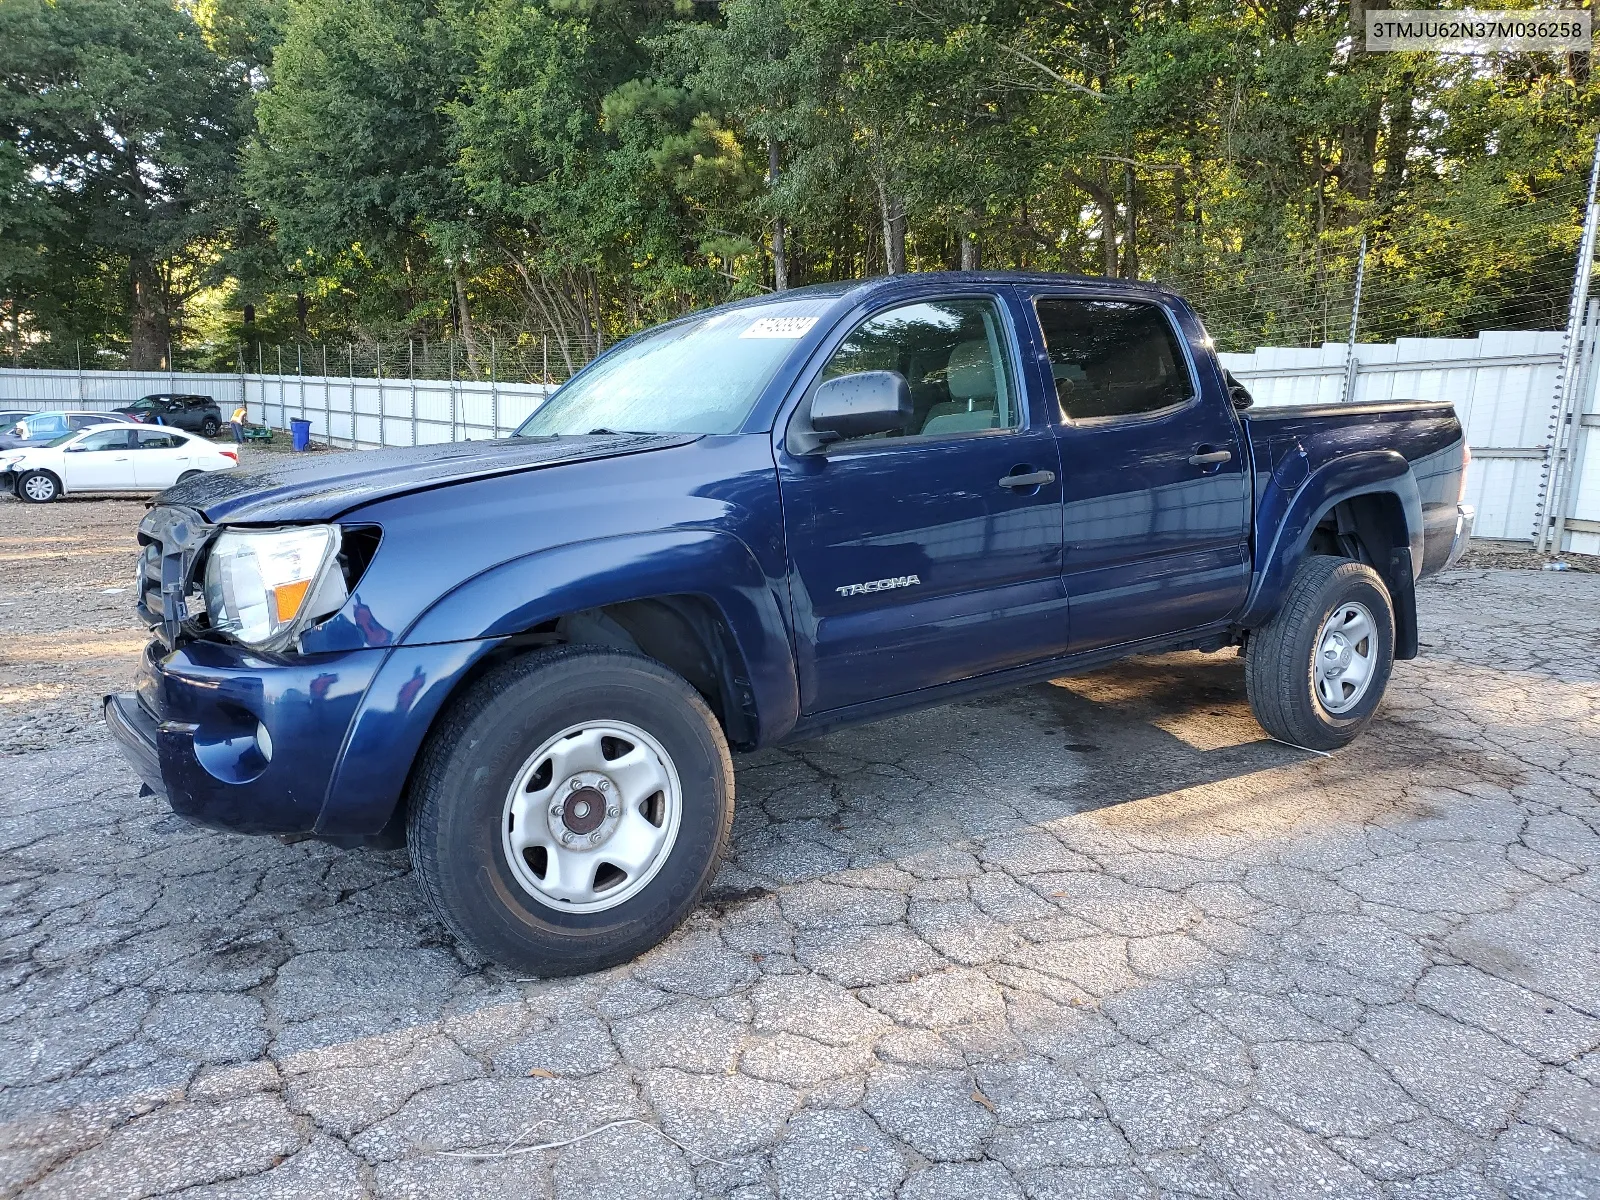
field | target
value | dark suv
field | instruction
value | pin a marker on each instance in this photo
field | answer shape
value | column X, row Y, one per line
column 199, row 413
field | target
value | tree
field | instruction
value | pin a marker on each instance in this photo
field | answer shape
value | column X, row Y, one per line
column 125, row 126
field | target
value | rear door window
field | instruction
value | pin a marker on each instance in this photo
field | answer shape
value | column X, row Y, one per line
column 153, row 439
column 1112, row 358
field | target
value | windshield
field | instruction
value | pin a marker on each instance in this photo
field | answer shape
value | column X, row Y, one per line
column 698, row 376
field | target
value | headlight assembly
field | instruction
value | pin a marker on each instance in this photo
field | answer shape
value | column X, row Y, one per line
column 264, row 586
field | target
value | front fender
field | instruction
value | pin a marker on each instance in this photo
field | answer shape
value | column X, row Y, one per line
column 524, row 592
column 1281, row 549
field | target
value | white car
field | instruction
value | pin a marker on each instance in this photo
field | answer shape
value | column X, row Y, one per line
column 110, row 458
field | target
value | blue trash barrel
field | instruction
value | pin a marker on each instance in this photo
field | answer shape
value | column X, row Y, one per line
column 300, row 431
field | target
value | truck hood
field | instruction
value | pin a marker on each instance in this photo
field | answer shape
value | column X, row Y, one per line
column 321, row 486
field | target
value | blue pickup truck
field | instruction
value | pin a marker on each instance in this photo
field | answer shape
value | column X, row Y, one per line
column 528, row 658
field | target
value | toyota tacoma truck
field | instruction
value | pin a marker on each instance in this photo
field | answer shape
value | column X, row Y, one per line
column 528, row 658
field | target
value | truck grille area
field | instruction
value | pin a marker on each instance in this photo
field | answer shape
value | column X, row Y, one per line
column 170, row 540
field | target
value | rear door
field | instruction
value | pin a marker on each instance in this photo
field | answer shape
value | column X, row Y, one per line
column 1154, row 477
column 159, row 457
column 933, row 553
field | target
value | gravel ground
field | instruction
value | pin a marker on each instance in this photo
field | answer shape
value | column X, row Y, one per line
column 1094, row 938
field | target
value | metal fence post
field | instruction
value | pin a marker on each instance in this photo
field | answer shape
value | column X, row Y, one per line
column 1350, row 364
column 383, row 406
column 77, row 349
column 300, row 373
column 1571, row 464
column 411, row 349
column 350, row 351
column 452, row 389
column 494, row 391
column 1552, row 479
column 283, row 395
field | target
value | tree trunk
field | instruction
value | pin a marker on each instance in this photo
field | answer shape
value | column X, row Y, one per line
column 780, row 265
column 1358, row 138
column 969, row 252
column 149, row 331
column 1130, row 235
column 1108, row 218
column 465, row 315
column 893, row 211
column 1397, row 146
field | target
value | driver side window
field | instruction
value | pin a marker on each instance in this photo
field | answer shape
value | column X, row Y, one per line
column 953, row 354
column 111, row 439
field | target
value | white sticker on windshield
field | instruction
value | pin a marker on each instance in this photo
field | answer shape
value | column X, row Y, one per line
column 788, row 328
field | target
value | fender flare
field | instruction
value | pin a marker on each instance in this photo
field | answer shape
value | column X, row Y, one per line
column 523, row 592
column 1366, row 473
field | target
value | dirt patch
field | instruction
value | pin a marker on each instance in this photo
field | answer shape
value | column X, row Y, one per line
column 66, row 606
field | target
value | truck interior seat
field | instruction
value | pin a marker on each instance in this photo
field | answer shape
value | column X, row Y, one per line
column 973, row 400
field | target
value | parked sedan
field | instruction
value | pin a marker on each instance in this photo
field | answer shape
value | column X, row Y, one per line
column 199, row 413
column 37, row 429
column 118, row 458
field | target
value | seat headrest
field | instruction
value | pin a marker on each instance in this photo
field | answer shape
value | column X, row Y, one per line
column 971, row 372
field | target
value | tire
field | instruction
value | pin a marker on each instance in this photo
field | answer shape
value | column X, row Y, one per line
column 1289, row 697
column 38, row 487
column 491, row 750
column 210, row 426
column 188, row 475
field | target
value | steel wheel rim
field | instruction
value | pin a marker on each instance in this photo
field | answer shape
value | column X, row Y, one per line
column 591, row 816
column 38, row 488
column 1346, row 657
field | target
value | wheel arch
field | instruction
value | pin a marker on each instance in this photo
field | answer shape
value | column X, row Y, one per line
column 726, row 637
column 1364, row 506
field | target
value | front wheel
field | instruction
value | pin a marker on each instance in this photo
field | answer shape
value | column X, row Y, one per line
column 570, row 809
column 1317, row 671
column 39, row 487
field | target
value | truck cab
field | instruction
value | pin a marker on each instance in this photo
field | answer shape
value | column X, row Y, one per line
column 529, row 659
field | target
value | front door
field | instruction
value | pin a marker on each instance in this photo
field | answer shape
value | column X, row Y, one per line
column 100, row 461
column 932, row 553
column 1157, row 498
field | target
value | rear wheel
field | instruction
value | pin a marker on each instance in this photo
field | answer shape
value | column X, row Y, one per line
column 1317, row 671
column 570, row 809
column 210, row 426
column 38, row 487
column 187, row 475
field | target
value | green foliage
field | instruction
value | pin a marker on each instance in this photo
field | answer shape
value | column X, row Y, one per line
column 371, row 169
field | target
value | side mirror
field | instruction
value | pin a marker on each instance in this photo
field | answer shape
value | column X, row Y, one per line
column 857, row 405
column 75, row 449
column 1238, row 394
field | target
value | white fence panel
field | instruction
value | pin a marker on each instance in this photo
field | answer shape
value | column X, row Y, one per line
column 342, row 410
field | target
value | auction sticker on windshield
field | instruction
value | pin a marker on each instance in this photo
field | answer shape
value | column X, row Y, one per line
column 780, row 327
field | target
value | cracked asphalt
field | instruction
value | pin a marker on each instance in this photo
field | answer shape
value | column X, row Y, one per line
column 1096, row 938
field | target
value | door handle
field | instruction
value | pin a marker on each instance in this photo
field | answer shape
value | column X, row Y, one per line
column 1210, row 458
column 1030, row 480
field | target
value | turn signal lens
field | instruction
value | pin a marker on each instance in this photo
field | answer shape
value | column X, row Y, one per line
column 287, row 599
